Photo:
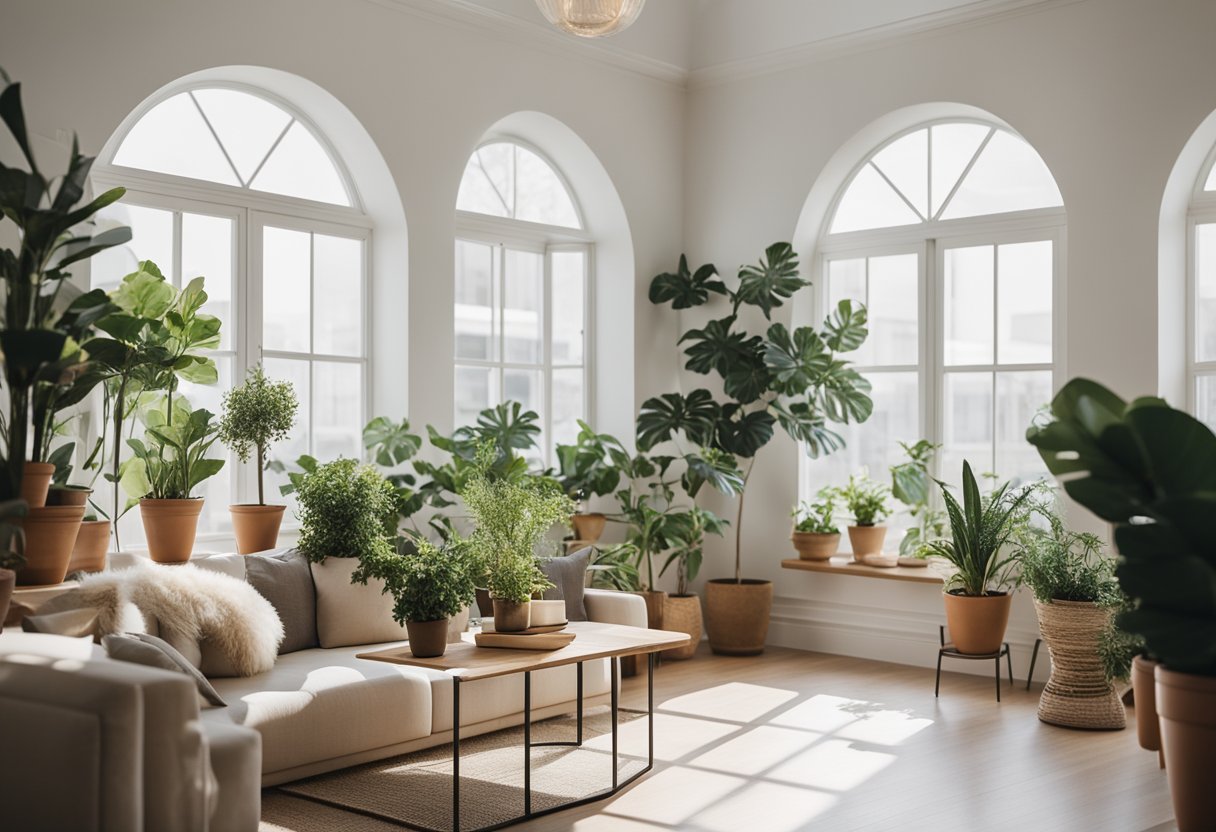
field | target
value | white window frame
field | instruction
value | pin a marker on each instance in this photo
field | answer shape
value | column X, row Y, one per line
column 506, row 233
column 1202, row 211
column 929, row 239
column 251, row 210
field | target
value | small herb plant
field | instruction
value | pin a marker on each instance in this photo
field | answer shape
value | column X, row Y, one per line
column 511, row 517
column 979, row 530
column 817, row 517
column 867, row 501
column 1059, row 564
column 347, row 510
column 427, row 584
column 173, row 461
column 256, row 414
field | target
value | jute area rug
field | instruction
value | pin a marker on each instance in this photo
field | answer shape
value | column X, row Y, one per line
column 417, row 788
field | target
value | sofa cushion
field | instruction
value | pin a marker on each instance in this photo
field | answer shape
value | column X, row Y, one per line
column 72, row 623
column 568, row 575
column 141, row 648
column 283, row 578
column 351, row 613
column 317, row 704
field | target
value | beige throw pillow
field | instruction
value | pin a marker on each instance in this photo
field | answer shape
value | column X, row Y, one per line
column 351, row 613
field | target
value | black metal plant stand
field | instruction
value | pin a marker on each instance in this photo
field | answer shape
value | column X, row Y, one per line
column 1034, row 657
column 952, row 652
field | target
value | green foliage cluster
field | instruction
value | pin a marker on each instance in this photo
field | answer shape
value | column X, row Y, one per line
column 979, row 530
column 347, row 510
column 174, row 460
column 1059, row 564
column 586, row 468
column 866, row 500
column 427, row 583
column 257, row 413
column 1151, row 471
column 817, row 517
column 911, row 483
column 796, row 380
column 510, row 519
column 685, row 534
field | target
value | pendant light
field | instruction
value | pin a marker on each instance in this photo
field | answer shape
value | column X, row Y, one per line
column 591, row 18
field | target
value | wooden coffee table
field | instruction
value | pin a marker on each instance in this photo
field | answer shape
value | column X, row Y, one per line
column 465, row 662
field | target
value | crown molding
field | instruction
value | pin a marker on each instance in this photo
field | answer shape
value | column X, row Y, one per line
column 975, row 13
column 537, row 36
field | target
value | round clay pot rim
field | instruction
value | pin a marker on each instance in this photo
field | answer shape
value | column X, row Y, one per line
column 38, row 466
column 987, row 596
column 817, row 534
column 253, row 506
column 164, row 500
column 1061, row 602
column 97, row 522
column 432, row 621
column 742, row 582
column 1178, row 680
column 685, row 595
column 589, row 514
column 867, row 526
column 51, row 512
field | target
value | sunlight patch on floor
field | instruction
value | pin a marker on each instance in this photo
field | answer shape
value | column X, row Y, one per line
column 673, row 796
column 819, row 713
column 674, row 737
column 834, row 765
column 765, row 806
column 734, row 702
column 756, row 750
column 884, row 728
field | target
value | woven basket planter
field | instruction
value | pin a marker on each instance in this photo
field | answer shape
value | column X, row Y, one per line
column 1078, row 694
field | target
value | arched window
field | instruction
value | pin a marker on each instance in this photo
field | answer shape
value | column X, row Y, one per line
column 523, row 263
column 951, row 234
column 229, row 183
column 1201, row 352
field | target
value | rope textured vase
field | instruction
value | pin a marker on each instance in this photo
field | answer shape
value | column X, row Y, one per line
column 1078, row 694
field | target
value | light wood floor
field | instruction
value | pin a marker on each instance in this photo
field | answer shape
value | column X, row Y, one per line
column 794, row 740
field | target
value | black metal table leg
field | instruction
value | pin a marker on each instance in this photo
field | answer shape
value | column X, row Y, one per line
column 937, row 685
column 455, row 754
column 527, row 744
column 615, row 662
column 650, row 708
column 1009, row 662
column 579, row 673
column 997, row 661
column 1033, row 658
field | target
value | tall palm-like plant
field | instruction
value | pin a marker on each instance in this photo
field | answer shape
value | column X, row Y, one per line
column 979, row 529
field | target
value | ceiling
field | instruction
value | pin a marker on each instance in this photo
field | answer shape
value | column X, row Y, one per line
column 696, row 35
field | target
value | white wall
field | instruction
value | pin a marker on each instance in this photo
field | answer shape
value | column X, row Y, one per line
column 1108, row 91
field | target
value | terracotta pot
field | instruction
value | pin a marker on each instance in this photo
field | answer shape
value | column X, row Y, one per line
column 511, row 616
column 92, row 541
column 428, row 639
column 68, row 496
column 170, row 526
column 35, row 482
column 1144, row 687
column 682, row 614
column 457, row 624
column 866, row 540
column 256, row 527
column 588, row 527
column 977, row 623
column 815, row 546
column 1186, row 704
column 1078, row 694
column 50, row 534
column 8, row 578
column 736, row 615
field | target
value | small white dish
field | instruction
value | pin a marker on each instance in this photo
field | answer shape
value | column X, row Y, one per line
column 547, row 613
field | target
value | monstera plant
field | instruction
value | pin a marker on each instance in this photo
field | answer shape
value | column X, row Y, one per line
column 1151, row 471
column 795, row 380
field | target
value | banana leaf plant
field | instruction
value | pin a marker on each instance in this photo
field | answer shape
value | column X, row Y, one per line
column 173, row 461
column 795, row 380
column 44, row 317
column 1151, row 471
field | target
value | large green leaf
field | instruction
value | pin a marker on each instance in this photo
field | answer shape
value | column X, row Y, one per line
column 718, row 470
column 768, row 284
column 744, row 435
column 719, row 347
column 391, row 443
column 509, row 426
column 796, row 361
column 663, row 416
column 844, row 395
column 846, row 327
column 685, row 289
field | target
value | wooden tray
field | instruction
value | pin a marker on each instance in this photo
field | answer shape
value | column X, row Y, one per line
column 515, row 641
column 531, row 631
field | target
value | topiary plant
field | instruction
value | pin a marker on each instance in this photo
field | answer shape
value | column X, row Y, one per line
column 427, row 584
column 347, row 510
column 256, row 414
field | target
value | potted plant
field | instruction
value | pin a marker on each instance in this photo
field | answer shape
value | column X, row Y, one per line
column 686, row 532
column 976, row 598
column 256, row 414
column 867, row 502
column 346, row 510
column 164, row 473
column 510, row 518
column 911, row 482
column 429, row 586
column 1075, row 592
column 1151, row 471
column 586, row 470
column 816, row 535
column 796, row 380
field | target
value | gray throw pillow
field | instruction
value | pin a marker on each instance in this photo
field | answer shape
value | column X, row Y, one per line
column 568, row 575
column 282, row 577
column 141, row 648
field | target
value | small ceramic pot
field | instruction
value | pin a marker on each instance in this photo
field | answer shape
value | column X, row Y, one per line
column 428, row 639
column 546, row 613
column 866, row 540
column 588, row 527
column 256, row 527
column 511, row 616
column 50, row 534
column 35, row 482
column 1186, row 704
column 170, row 526
column 69, row 495
column 977, row 622
column 815, row 546
column 92, row 541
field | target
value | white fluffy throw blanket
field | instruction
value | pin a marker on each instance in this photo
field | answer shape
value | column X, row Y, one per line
column 189, row 606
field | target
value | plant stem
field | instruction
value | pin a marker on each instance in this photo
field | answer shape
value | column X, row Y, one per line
column 261, row 465
column 739, row 524
column 118, row 414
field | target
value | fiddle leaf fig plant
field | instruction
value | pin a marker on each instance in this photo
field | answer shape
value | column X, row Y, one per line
column 792, row 379
column 1151, row 471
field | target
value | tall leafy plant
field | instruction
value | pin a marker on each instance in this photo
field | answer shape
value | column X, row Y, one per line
column 257, row 413
column 586, row 468
column 796, row 380
column 1151, row 471
column 911, row 484
column 44, row 317
column 346, row 510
